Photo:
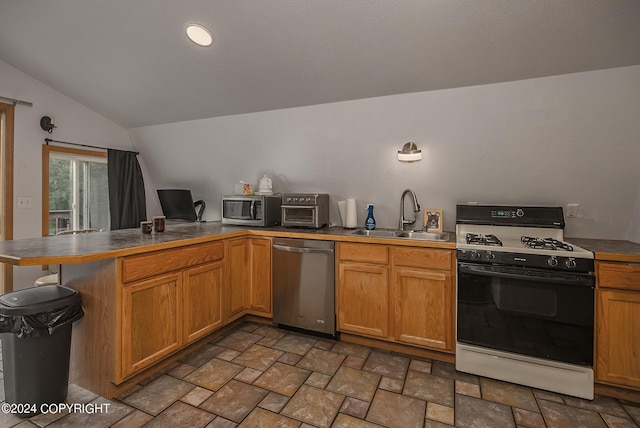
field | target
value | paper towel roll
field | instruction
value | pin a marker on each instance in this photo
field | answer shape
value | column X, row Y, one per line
column 352, row 214
column 342, row 208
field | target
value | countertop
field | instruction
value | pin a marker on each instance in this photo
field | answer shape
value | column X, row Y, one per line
column 88, row 247
column 609, row 249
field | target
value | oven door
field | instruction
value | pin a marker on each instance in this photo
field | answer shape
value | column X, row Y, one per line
column 526, row 311
column 300, row 215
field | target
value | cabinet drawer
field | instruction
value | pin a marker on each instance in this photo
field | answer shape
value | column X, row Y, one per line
column 368, row 253
column 619, row 275
column 422, row 257
column 159, row 262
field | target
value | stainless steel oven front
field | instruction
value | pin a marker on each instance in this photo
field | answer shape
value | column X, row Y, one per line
column 310, row 210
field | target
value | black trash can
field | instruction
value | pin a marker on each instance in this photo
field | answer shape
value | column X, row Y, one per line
column 35, row 329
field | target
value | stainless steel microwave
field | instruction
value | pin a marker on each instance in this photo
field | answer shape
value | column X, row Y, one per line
column 252, row 210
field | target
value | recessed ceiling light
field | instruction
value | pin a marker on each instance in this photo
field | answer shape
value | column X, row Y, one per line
column 199, row 35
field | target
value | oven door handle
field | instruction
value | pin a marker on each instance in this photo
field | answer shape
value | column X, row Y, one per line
column 557, row 277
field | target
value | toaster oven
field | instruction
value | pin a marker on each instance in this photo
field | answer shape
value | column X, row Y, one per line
column 309, row 210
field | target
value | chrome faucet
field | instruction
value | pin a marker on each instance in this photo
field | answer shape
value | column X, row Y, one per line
column 416, row 209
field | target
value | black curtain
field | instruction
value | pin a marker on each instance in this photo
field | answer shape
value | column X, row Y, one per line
column 127, row 204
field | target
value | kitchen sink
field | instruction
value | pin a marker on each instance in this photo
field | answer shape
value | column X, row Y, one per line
column 427, row 236
column 376, row 233
column 404, row 234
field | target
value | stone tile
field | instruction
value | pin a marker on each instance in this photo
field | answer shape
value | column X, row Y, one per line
column 76, row 394
column 391, row 384
column 396, row 411
column 318, row 380
column 274, row 402
column 354, row 383
column 113, row 412
column 213, row 374
column 135, row 419
column 354, row 362
column 354, row 407
column 258, row 357
column 547, row 395
column 239, row 340
column 289, row 358
column 387, row 364
column 325, row 344
column 181, row 370
column 313, row 405
column 260, row 418
column 477, row 413
column 158, row 395
column 295, row 343
column 283, row 379
column 248, row 375
column 633, row 411
column 249, row 327
column 321, row 361
column 429, row 387
column 180, row 414
column 557, row 415
column 599, row 404
column 267, row 342
column 429, row 423
column 618, row 422
column 234, row 401
column 221, row 422
column 270, row 332
column 509, row 394
column 449, row 370
column 470, row 389
column 440, row 413
column 202, row 355
column 420, row 366
column 352, row 349
column 528, row 419
column 346, row 421
column 228, row 355
column 196, row 396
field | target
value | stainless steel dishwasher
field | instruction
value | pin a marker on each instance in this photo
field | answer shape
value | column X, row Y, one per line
column 303, row 285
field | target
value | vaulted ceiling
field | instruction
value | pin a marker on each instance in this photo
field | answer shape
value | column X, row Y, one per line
column 131, row 62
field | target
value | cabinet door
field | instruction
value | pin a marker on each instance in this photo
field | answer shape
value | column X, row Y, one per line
column 151, row 321
column 423, row 302
column 239, row 269
column 202, row 300
column 259, row 291
column 618, row 338
column 363, row 299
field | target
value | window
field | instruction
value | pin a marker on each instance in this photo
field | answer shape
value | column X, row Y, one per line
column 75, row 190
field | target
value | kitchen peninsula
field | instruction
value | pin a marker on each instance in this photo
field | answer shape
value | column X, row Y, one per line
column 149, row 299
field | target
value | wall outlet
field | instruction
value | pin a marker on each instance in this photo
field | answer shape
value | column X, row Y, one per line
column 25, row 202
column 572, row 210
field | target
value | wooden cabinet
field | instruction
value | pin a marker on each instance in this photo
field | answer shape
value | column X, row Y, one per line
column 151, row 327
column 259, row 296
column 397, row 293
column 617, row 318
column 163, row 312
column 238, row 268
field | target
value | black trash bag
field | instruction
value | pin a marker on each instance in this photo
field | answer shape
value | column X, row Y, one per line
column 42, row 323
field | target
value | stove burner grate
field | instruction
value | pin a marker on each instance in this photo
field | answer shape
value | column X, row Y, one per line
column 545, row 243
column 480, row 239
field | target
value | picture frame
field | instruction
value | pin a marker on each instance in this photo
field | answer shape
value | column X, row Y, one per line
column 433, row 220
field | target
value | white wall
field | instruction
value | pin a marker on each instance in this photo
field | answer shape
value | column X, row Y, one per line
column 556, row 140
column 75, row 123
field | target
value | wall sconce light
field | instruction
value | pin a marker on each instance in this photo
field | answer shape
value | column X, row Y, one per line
column 46, row 123
column 409, row 153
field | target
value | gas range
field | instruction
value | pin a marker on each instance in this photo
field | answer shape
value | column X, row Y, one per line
column 524, row 236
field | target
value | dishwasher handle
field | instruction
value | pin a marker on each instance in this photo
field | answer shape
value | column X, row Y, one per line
column 302, row 249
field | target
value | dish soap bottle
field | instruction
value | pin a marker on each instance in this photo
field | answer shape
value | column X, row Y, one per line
column 370, row 222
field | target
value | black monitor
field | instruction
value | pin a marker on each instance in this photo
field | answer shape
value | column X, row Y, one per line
column 177, row 204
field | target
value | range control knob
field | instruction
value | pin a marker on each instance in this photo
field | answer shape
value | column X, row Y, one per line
column 489, row 255
column 519, row 212
column 552, row 261
column 570, row 263
column 476, row 255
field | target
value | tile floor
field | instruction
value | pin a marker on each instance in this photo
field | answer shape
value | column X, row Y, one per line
column 260, row 376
